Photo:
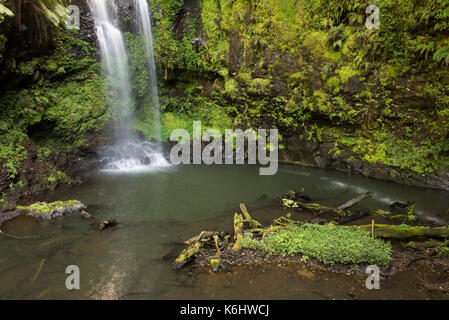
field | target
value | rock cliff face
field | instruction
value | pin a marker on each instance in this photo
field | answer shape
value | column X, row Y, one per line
column 372, row 102
column 87, row 29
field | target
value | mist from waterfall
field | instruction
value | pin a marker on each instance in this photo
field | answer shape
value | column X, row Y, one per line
column 127, row 153
column 144, row 20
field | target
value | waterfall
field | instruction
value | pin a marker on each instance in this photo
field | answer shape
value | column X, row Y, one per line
column 144, row 20
column 128, row 153
column 115, row 60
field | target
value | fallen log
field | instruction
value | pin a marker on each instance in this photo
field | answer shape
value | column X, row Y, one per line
column 358, row 214
column 403, row 232
column 389, row 215
column 253, row 223
column 318, row 209
column 356, row 200
column 187, row 254
column 283, row 221
column 402, row 208
column 202, row 235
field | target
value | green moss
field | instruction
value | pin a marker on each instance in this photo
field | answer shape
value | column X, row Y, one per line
column 445, row 251
column 405, row 231
column 172, row 122
column 62, row 100
column 12, row 152
column 347, row 72
column 29, row 67
column 326, row 243
column 231, row 88
column 259, row 86
column 43, row 208
column 215, row 264
column 316, row 42
column 138, row 61
column 307, row 52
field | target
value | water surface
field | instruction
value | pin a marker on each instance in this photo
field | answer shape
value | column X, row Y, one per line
column 160, row 209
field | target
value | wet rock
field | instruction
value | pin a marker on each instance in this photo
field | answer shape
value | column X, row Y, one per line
column 48, row 211
column 105, row 224
column 45, row 211
column 86, row 215
column 354, row 85
column 302, row 151
column 8, row 215
column 358, row 214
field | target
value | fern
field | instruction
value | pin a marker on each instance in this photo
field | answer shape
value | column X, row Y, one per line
column 40, row 13
column 442, row 55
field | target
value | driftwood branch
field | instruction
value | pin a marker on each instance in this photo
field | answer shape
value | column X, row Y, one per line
column 38, row 272
column 253, row 223
column 187, row 254
column 358, row 214
column 202, row 235
column 356, row 200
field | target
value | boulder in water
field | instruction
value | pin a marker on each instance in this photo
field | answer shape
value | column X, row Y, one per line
column 102, row 225
column 48, row 211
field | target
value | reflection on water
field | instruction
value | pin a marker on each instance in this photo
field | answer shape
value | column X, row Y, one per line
column 160, row 210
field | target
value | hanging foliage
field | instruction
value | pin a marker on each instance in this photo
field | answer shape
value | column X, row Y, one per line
column 36, row 16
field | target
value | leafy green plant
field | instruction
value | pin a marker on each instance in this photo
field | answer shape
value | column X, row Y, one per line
column 42, row 13
column 442, row 55
column 288, row 203
column 445, row 251
column 326, row 243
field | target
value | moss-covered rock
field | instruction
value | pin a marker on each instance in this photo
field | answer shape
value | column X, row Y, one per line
column 48, row 211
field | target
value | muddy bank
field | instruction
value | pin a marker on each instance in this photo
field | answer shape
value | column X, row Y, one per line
column 269, row 280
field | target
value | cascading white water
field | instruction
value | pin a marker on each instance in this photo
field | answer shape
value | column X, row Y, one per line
column 144, row 19
column 127, row 153
column 115, row 59
column 142, row 157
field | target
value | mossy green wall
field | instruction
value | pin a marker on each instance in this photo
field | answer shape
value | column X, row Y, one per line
column 59, row 101
column 312, row 69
